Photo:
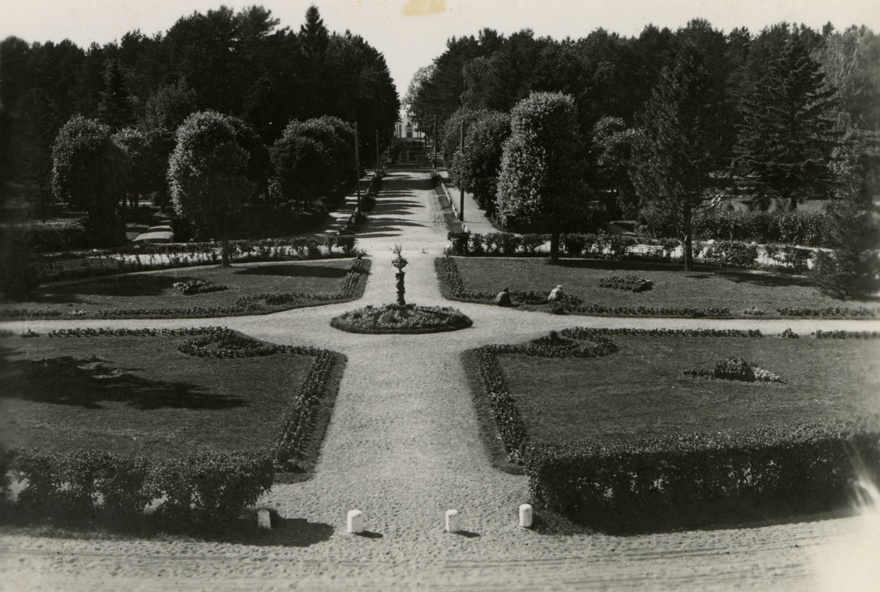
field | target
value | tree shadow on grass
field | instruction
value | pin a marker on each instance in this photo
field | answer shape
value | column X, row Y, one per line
column 122, row 285
column 294, row 270
column 87, row 382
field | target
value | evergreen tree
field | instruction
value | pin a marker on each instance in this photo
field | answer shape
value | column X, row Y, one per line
column 314, row 37
column 672, row 162
column 852, row 268
column 786, row 141
column 115, row 107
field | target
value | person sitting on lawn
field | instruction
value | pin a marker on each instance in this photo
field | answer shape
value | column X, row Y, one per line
column 556, row 295
column 503, row 298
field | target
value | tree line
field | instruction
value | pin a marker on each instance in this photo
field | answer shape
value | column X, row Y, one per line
column 141, row 89
column 555, row 136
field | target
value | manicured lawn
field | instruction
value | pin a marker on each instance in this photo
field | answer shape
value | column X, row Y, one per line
column 141, row 396
column 735, row 290
column 640, row 392
column 155, row 290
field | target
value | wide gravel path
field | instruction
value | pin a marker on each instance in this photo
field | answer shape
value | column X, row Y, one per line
column 403, row 446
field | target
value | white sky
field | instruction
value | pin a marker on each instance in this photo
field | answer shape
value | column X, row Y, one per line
column 412, row 41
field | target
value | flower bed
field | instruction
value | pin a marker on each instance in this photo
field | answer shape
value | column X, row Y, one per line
column 191, row 287
column 406, row 318
column 631, row 283
column 735, row 369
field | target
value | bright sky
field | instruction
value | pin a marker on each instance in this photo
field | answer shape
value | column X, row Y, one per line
column 411, row 33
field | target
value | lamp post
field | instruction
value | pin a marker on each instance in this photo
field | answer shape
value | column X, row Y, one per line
column 460, row 188
column 357, row 166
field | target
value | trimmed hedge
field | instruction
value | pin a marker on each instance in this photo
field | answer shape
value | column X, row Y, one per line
column 142, row 257
column 612, row 247
column 699, row 479
column 199, row 487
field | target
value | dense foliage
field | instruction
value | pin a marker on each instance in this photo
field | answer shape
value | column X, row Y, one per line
column 539, row 182
column 682, row 121
column 243, row 64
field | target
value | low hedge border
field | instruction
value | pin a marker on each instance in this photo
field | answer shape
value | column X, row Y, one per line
column 74, row 265
column 352, row 289
column 199, row 488
column 296, row 449
column 558, row 488
column 452, row 288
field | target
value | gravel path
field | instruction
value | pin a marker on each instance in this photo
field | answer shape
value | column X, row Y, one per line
column 403, row 446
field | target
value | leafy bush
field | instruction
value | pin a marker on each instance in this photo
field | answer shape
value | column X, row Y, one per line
column 692, row 478
column 731, row 253
column 211, row 486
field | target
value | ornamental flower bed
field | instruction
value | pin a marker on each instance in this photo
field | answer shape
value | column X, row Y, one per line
column 190, row 287
column 735, row 369
column 397, row 318
column 631, row 283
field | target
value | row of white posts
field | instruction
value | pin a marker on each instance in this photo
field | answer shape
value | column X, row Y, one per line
column 355, row 520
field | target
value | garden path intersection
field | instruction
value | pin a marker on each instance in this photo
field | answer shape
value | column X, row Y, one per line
column 403, row 446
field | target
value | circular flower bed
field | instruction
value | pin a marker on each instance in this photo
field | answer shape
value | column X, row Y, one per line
column 406, row 318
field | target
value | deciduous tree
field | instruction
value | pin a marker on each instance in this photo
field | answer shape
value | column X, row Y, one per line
column 540, row 184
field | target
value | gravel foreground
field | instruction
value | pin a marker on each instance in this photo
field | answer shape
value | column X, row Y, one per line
column 403, row 446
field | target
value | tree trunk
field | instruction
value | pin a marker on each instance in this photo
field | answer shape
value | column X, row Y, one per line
column 554, row 247
column 224, row 255
column 688, row 239
column 793, row 202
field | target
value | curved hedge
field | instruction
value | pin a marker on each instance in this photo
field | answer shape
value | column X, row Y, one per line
column 401, row 319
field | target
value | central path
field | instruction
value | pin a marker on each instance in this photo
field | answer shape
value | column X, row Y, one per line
column 403, row 446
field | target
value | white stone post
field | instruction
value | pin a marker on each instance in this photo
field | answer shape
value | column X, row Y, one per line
column 264, row 520
column 355, row 522
column 453, row 521
column 525, row 516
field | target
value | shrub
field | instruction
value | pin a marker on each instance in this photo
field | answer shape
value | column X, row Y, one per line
column 210, row 486
column 692, row 478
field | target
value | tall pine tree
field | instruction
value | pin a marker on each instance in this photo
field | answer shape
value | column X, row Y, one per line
column 786, row 141
column 672, row 162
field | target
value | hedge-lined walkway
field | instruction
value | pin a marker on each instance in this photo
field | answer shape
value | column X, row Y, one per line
column 403, row 446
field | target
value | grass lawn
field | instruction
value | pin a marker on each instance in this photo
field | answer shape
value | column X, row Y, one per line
column 155, row 290
column 640, row 392
column 736, row 290
column 141, row 396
